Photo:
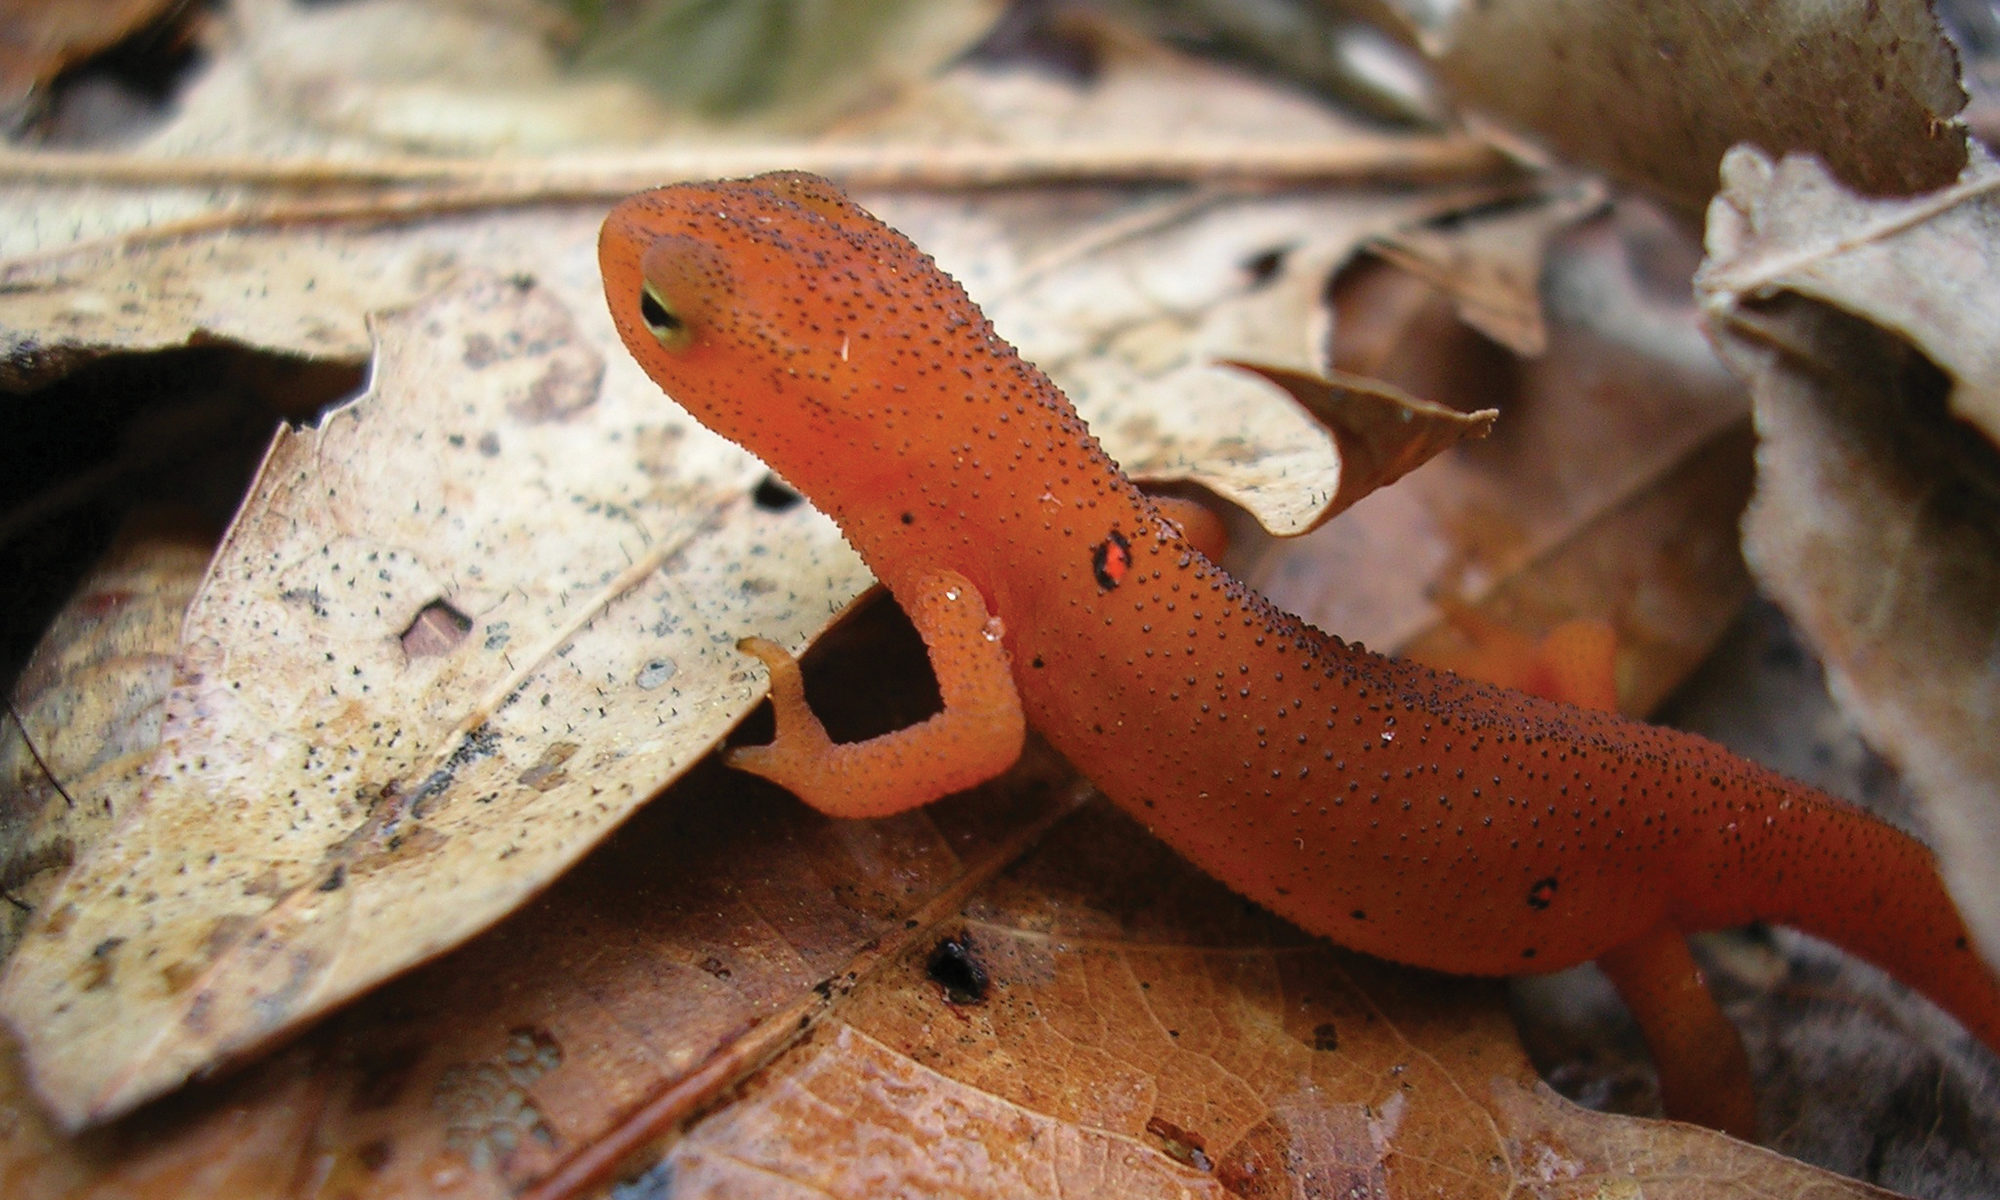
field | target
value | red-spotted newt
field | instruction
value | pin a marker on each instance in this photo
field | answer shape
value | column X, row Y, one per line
column 1393, row 809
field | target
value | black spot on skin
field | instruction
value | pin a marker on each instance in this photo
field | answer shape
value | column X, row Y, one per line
column 952, row 967
column 1528, row 953
column 1110, row 559
column 909, row 518
column 1540, row 892
column 1359, row 914
column 1325, row 1036
column 1037, row 663
column 773, row 496
column 335, row 881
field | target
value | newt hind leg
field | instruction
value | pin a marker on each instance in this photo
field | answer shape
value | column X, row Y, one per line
column 1201, row 525
column 1704, row 1072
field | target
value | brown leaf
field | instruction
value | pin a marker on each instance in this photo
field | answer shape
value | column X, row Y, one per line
column 1866, row 331
column 1609, row 487
column 1145, row 1034
column 1489, row 260
column 1382, row 433
column 1654, row 93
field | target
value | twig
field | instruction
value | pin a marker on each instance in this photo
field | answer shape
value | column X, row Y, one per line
column 861, row 165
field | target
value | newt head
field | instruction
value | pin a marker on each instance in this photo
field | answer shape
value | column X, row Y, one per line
column 777, row 311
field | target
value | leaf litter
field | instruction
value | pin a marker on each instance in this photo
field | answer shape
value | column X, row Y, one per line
column 506, row 1112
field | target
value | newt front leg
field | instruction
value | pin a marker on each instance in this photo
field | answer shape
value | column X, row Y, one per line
column 976, row 736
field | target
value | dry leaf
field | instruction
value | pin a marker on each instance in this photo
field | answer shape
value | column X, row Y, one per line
column 86, row 710
column 1489, row 260
column 1382, row 433
column 345, row 788
column 1654, row 93
column 713, row 928
column 1609, row 487
column 1142, row 1033
column 1866, row 330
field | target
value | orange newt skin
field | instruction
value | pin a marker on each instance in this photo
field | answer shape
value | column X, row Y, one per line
column 1394, row 809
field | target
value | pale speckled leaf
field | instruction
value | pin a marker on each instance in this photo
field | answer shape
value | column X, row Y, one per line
column 1866, row 330
column 301, row 291
column 339, row 794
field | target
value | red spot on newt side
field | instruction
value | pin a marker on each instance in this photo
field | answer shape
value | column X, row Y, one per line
column 1110, row 559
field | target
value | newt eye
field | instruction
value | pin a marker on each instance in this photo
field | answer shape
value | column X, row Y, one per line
column 662, row 321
